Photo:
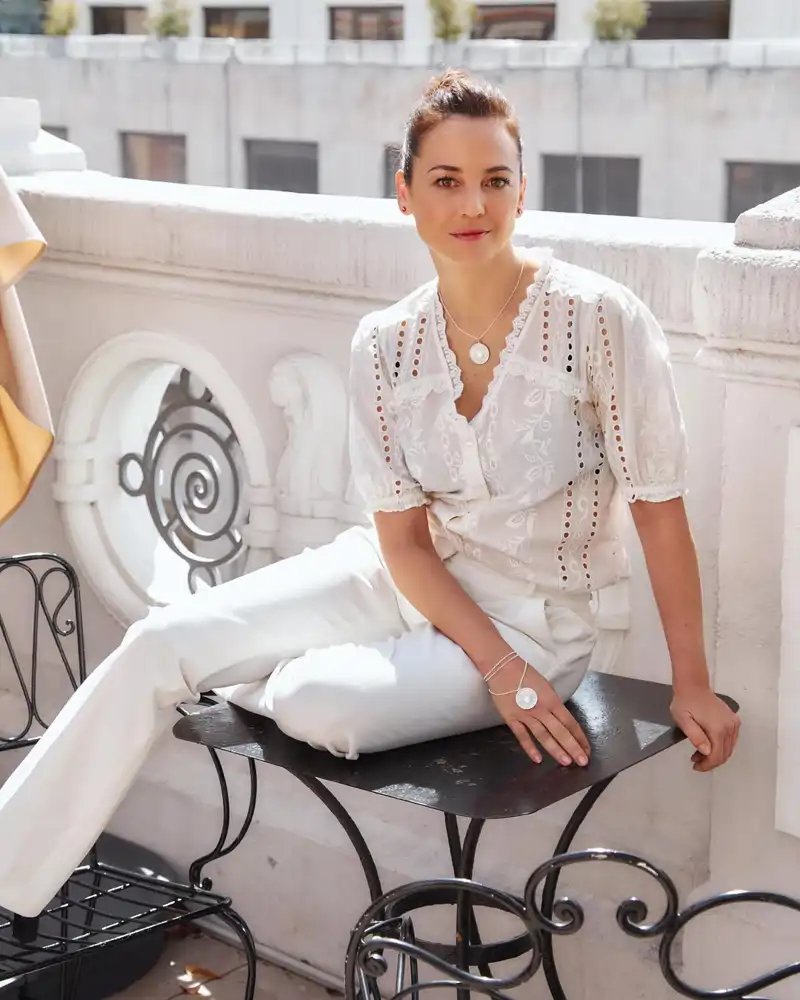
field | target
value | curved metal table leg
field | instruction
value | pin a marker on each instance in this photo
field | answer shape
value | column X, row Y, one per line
column 221, row 849
column 354, row 835
column 462, row 856
column 232, row 918
column 551, row 884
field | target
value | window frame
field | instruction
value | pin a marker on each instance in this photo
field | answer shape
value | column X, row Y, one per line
column 391, row 164
column 687, row 13
column 569, row 161
column 360, row 11
column 223, row 10
column 126, row 156
column 251, row 142
column 731, row 165
column 59, row 131
column 120, row 9
column 509, row 9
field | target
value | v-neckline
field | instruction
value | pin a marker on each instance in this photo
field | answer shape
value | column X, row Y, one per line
column 511, row 344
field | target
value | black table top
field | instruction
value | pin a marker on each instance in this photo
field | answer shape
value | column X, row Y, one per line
column 484, row 774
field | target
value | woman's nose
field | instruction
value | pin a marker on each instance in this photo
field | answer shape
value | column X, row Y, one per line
column 473, row 206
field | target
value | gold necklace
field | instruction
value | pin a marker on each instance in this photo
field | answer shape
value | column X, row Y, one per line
column 479, row 353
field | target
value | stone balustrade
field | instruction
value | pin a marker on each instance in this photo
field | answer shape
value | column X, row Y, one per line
column 255, row 297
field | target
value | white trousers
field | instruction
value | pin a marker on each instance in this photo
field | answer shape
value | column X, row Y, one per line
column 322, row 643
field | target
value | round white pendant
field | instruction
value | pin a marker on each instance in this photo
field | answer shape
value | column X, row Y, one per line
column 479, row 353
column 527, row 698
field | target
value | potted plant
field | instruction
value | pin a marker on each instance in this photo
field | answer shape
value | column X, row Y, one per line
column 167, row 23
column 452, row 22
column 170, row 20
column 618, row 20
column 60, row 20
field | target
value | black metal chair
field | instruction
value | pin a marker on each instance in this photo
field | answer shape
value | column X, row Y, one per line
column 104, row 912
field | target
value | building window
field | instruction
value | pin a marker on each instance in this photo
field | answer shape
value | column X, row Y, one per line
column 688, row 19
column 236, row 22
column 367, row 23
column 514, row 20
column 276, row 165
column 597, row 185
column 21, row 17
column 151, row 157
column 59, row 131
column 751, row 184
column 119, row 21
column 391, row 164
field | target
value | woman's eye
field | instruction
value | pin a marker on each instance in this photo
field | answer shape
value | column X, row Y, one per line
column 445, row 182
column 499, row 182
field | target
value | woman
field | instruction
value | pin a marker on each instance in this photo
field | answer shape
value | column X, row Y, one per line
column 493, row 463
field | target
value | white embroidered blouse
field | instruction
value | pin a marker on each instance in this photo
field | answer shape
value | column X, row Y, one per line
column 581, row 414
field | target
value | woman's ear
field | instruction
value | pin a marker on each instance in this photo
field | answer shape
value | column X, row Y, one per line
column 523, row 187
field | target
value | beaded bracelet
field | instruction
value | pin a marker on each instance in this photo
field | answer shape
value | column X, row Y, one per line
column 525, row 697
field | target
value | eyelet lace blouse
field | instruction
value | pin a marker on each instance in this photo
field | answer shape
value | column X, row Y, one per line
column 580, row 415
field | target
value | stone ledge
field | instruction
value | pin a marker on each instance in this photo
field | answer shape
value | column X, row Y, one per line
column 748, row 295
column 476, row 54
column 25, row 148
column 775, row 225
column 329, row 245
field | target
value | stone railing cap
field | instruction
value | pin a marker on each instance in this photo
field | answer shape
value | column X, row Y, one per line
column 775, row 225
column 342, row 245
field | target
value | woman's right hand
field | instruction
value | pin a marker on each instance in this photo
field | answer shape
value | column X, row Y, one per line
column 549, row 722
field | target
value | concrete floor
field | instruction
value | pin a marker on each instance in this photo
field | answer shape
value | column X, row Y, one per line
column 198, row 966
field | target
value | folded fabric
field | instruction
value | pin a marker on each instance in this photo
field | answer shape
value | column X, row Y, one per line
column 26, row 427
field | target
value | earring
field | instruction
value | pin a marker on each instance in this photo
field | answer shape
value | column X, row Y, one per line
column 403, row 208
column 519, row 211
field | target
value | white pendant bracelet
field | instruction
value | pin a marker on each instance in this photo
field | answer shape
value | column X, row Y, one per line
column 525, row 697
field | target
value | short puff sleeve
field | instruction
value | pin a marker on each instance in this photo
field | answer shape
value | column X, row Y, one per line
column 633, row 391
column 380, row 474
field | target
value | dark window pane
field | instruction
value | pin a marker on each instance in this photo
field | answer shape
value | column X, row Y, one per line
column 611, row 186
column 751, row 184
column 152, row 157
column 367, row 23
column 688, row 19
column 236, row 22
column 559, row 191
column 276, row 165
column 529, row 21
column 598, row 185
column 21, row 17
column 343, row 23
column 59, row 131
column 391, row 164
column 119, row 21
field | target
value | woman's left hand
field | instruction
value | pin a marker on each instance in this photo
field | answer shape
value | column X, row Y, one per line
column 709, row 724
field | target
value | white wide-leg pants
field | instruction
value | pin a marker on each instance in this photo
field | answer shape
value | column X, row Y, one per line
column 322, row 643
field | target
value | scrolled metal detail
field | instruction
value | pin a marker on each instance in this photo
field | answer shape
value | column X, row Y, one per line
column 386, row 926
column 746, row 989
column 68, row 626
column 568, row 916
column 198, row 513
column 55, row 615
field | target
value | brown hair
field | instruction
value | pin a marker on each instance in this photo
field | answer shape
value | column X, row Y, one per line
column 454, row 93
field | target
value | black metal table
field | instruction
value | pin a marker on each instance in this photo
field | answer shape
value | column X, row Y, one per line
column 479, row 776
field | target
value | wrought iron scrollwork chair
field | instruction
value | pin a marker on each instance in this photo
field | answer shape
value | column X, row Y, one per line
column 102, row 907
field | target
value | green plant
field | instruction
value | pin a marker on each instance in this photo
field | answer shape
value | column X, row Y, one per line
column 61, row 18
column 452, row 19
column 618, row 20
column 170, row 20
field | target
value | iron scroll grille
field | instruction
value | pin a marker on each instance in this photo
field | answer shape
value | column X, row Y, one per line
column 190, row 474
